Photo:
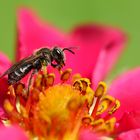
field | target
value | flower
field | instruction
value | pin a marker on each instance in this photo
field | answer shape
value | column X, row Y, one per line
column 61, row 111
column 102, row 45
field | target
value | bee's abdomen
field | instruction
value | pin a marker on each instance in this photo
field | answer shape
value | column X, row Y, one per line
column 19, row 73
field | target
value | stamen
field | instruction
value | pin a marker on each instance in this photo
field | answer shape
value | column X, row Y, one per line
column 102, row 126
column 35, row 95
column 19, row 89
column 97, row 123
column 110, row 124
column 38, row 81
column 97, row 100
column 81, row 84
column 50, row 79
column 12, row 91
column 101, row 89
column 99, row 92
column 66, row 75
column 85, row 82
column 104, row 104
column 87, row 120
column 78, row 85
column 8, row 106
column 23, row 111
column 115, row 107
column 11, row 111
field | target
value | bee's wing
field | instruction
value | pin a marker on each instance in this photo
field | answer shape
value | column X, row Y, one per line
column 18, row 64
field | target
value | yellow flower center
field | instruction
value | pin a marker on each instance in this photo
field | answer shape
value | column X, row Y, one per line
column 60, row 111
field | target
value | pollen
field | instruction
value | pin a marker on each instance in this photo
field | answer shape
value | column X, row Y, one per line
column 59, row 111
column 66, row 75
column 8, row 107
column 101, row 89
column 57, row 100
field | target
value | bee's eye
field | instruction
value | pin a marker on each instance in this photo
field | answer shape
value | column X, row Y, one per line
column 57, row 54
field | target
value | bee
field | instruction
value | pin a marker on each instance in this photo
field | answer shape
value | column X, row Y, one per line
column 42, row 57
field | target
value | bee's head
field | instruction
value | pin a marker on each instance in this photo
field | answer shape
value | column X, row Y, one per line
column 58, row 57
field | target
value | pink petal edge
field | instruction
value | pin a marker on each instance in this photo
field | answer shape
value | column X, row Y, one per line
column 130, row 135
column 132, row 119
column 4, row 65
column 126, row 88
column 109, row 54
column 12, row 133
column 87, row 135
column 99, row 49
column 33, row 33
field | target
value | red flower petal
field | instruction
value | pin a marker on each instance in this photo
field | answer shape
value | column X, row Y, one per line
column 4, row 65
column 127, row 89
column 132, row 119
column 12, row 133
column 99, row 49
column 87, row 135
column 34, row 34
column 130, row 135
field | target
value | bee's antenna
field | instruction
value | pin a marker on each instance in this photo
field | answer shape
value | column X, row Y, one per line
column 70, row 49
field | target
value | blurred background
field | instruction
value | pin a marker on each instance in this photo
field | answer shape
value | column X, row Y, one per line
column 68, row 13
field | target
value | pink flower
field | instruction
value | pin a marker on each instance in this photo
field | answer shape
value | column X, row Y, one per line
column 99, row 48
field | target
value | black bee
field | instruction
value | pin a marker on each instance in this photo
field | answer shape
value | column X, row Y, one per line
column 41, row 57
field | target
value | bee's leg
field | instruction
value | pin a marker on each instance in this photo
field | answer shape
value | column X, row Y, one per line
column 30, row 80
